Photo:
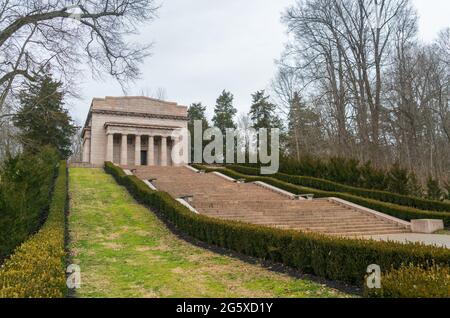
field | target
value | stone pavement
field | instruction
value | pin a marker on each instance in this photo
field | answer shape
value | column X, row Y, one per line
column 427, row 239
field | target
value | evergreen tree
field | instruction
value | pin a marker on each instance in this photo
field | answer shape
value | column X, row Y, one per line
column 398, row 179
column 263, row 115
column 262, row 112
column 196, row 112
column 434, row 190
column 42, row 118
column 224, row 112
column 304, row 133
column 414, row 187
column 447, row 189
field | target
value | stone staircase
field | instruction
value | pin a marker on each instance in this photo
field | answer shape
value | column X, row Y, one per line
column 217, row 197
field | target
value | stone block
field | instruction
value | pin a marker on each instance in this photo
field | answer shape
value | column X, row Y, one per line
column 426, row 226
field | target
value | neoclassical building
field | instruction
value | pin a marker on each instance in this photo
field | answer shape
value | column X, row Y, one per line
column 134, row 131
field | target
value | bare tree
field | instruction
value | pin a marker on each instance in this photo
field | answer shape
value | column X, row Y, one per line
column 380, row 94
column 70, row 35
column 159, row 93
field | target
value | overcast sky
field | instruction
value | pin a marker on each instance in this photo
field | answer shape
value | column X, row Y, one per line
column 204, row 46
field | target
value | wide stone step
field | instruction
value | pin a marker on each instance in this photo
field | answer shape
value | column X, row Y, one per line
column 338, row 228
column 299, row 214
column 276, row 211
column 264, row 203
column 268, row 220
column 329, row 227
column 295, row 223
column 236, row 202
column 364, row 233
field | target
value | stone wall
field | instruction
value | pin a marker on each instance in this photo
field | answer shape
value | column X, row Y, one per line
column 139, row 104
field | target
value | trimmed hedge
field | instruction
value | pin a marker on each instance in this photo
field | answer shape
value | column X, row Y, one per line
column 36, row 268
column 413, row 282
column 326, row 185
column 25, row 196
column 328, row 257
column 397, row 211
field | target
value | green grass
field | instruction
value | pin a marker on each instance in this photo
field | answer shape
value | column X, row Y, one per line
column 124, row 250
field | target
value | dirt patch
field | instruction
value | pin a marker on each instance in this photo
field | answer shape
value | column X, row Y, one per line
column 143, row 249
column 113, row 246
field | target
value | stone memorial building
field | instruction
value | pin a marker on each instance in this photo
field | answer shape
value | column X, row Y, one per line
column 134, row 131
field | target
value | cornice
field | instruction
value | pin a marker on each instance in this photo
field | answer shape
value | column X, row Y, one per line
column 136, row 114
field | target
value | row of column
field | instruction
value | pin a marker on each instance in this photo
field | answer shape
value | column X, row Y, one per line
column 137, row 154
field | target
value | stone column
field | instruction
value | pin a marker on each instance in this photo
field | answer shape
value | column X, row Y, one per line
column 87, row 150
column 151, row 151
column 110, row 148
column 137, row 150
column 163, row 151
column 124, row 150
column 181, row 158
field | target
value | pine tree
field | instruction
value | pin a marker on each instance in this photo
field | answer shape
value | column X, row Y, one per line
column 303, row 132
column 447, row 189
column 262, row 112
column 42, row 119
column 196, row 112
column 263, row 115
column 414, row 187
column 398, row 179
column 434, row 190
column 224, row 112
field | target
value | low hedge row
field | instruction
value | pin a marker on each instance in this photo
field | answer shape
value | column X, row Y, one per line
column 332, row 258
column 326, row 185
column 36, row 268
column 413, row 282
column 398, row 211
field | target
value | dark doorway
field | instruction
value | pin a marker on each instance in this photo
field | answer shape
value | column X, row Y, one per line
column 144, row 161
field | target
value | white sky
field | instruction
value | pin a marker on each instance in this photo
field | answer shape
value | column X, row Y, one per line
column 204, row 46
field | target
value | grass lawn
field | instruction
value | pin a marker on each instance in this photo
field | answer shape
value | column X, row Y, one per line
column 124, row 250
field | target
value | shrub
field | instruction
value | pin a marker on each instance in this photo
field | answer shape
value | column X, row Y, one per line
column 329, row 257
column 447, row 189
column 414, row 282
column 325, row 185
column 434, row 191
column 25, row 189
column 371, row 178
column 398, row 211
column 398, row 180
column 347, row 171
column 343, row 170
column 36, row 268
column 415, row 189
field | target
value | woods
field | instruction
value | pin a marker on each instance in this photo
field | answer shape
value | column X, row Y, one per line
column 365, row 81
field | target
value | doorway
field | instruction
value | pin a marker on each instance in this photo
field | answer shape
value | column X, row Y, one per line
column 144, row 158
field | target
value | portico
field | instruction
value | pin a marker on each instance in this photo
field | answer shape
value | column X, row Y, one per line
column 139, row 145
column 143, row 135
